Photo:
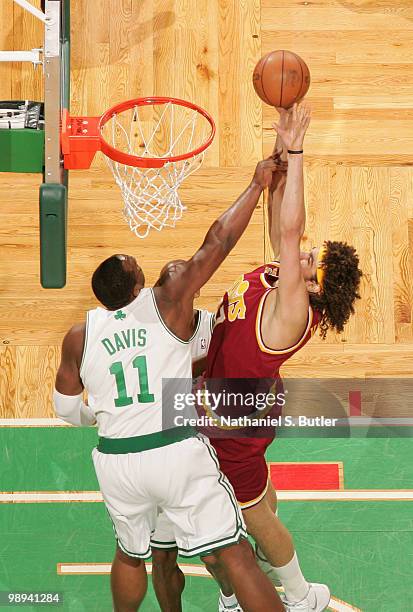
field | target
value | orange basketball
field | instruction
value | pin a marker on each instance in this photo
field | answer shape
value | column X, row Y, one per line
column 281, row 78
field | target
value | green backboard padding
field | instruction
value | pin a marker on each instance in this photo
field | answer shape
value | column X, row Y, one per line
column 53, row 226
column 21, row 150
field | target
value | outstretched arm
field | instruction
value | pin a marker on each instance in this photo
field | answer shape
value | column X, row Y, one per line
column 220, row 239
column 277, row 187
column 292, row 300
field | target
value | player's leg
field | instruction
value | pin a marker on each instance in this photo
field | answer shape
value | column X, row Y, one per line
column 227, row 598
column 133, row 516
column 275, row 545
column 266, row 567
column 167, row 579
column 199, row 489
column 249, row 477
column 254, row 591
column 129, row 582
column 275, row 541
column 272, row 497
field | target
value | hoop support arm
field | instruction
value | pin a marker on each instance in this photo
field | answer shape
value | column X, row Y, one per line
column 32, row 56
column 79, row 141
column 27, row 6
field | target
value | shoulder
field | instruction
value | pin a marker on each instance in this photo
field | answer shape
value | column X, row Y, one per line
column 74, row 339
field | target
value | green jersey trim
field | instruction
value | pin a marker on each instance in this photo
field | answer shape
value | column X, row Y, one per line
column 212, row 323
column 138, row 444
column 224, row 482
column 145, row 555
column 163, row 545
column 206, row 549
column 197, row 326
column 203, row 549
column 164, row 324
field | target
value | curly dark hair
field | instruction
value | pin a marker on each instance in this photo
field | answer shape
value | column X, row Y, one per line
column 340, row 287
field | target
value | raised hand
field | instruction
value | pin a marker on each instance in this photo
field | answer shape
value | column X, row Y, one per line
column 283, row 123
column 285, row 116
column 292, row 128
column 264, row 172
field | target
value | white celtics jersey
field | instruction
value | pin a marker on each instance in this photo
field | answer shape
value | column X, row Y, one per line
column 202, row 335
column 127, row 353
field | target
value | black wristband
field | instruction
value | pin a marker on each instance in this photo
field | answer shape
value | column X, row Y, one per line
column 295, row 152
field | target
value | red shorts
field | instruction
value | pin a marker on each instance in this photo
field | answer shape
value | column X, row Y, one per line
column 242, row 460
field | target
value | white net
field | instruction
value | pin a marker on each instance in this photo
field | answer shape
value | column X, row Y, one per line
column 150, row 195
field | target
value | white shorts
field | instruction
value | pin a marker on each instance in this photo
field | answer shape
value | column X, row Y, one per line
column 183, row 481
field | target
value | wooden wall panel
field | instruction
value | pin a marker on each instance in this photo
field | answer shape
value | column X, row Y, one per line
column 359, row 165
column 239, row 108
column 36, row 367
column 401, row 255
column 97, row 230
column 7, row 40
column 28, row 34
column 7, row 380
column 337, row 15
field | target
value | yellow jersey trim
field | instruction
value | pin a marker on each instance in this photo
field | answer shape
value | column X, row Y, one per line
column 262, row 275
column 255, row 501
column 261, row 344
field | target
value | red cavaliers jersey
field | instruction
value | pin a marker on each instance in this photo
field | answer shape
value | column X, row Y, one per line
column 237, row 349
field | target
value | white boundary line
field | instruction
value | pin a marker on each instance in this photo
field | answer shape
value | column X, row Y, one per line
column 33, row 423
column 361, row 421
column 95, row 569
column 46, row 497
column 348, row 495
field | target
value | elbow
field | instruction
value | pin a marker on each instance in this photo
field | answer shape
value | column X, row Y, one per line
column 67, row 407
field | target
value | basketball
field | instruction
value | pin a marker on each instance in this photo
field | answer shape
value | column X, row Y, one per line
column 281, row 78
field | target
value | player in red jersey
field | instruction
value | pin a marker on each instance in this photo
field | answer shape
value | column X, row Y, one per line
column 266, row 317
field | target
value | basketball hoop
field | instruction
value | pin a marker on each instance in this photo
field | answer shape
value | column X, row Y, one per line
column 151, row 145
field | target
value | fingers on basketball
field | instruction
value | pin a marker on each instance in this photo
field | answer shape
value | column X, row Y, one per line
column 277, row 128
column 305, row 115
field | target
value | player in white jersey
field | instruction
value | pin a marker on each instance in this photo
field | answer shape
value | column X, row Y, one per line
column 165, row 570
column 120, row 356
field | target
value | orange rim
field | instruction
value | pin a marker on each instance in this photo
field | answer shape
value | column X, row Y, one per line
column 151, row 162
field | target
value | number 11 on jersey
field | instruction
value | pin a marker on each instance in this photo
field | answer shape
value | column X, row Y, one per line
column 123, row 399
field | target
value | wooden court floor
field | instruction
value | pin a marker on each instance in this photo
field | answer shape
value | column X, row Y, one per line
column 356, row 537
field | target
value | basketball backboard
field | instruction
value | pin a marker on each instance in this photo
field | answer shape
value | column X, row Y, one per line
column 30, row 132
column 53, row 193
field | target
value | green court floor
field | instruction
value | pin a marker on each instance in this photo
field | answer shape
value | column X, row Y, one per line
column 362, row 549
